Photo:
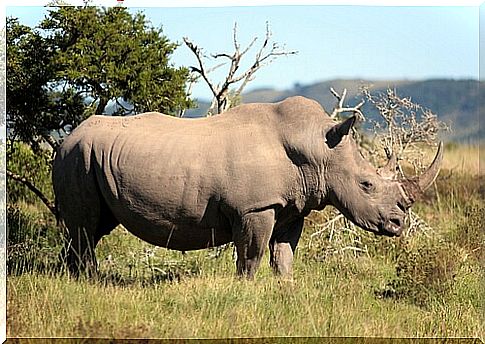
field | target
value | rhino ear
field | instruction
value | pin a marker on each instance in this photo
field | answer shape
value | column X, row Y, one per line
column 338, row 131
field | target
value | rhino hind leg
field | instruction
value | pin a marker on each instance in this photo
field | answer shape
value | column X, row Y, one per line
column 87, row 218
column 83, row 236
column 251, row 236
column 78, row 252
column 282, row 248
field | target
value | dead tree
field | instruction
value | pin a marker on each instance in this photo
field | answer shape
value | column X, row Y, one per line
column 341, row 108
column 221, row 92
column 402, row 128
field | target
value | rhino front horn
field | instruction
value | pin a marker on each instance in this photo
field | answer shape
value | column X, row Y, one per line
column 428, row 177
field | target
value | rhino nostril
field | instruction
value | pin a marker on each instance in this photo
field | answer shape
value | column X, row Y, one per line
column 396, row 222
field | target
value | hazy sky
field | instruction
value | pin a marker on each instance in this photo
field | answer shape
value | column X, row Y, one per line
column 367, row 42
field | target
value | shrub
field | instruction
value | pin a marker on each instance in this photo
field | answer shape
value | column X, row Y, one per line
column 425, row 271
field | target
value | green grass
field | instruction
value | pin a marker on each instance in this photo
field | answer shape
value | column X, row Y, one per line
column 342, row 296
column 426, row 285
column 319, row 302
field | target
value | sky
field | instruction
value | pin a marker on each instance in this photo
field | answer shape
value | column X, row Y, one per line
column 363, row 42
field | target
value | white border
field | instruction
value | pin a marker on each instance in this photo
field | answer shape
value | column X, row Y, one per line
column 228, row 3
column 151, row 3
column 3, row 187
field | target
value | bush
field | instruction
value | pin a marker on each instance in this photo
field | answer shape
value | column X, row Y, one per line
column 425, row 271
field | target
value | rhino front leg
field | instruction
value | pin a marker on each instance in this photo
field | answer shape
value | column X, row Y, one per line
column 251, row 236
column 282, row 247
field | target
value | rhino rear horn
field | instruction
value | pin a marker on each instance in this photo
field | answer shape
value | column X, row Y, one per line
column 426, row 179
column 338, row 131
column 389, row 170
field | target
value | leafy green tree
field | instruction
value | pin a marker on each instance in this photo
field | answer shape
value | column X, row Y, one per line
column 111, row 55
column 78, row 60
column 81, row 61
column 30, row 107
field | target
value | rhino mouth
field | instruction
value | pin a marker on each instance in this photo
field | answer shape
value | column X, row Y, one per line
column 391, row 228
column 387, row 226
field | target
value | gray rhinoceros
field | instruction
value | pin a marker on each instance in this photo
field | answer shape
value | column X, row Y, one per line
column 247, row 176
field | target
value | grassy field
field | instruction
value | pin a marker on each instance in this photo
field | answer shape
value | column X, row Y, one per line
column 429, row 284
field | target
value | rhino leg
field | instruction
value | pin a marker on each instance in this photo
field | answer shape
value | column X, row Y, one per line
column 251, row 236
column 84, row 230
column 282, row 247
column 86, row 216
column 78, row 252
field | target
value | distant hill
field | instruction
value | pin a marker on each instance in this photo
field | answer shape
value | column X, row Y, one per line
column 457, row 102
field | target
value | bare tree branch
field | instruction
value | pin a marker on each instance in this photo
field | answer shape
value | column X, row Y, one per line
column 34, row 189
column 201, row 69
column 221, row 92
column 340, row 108
column 403, row 127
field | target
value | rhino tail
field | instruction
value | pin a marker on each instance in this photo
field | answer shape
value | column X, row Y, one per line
column 56, row 211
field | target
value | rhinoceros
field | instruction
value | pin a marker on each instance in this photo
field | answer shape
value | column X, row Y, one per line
column 249, row 176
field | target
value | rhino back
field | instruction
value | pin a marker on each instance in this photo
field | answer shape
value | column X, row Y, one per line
column 155, row 170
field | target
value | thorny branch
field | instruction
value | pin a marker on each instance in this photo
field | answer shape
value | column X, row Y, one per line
column 338, row 236
column 266, row 54
column 402, row 128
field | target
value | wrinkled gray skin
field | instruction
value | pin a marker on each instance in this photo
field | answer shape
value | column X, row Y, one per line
column 249, row 176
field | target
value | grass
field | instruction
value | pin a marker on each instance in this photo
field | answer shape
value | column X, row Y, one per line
column 463, row 159
column 420, row 286
column 320, row 303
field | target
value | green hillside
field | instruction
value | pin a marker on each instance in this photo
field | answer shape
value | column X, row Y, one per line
column 457, row 102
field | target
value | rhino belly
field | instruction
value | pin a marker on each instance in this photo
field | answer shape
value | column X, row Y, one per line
column 183, row 235
column 164, row 199
column 171, row 222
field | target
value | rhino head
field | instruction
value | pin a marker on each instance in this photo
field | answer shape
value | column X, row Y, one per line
column 371, row 198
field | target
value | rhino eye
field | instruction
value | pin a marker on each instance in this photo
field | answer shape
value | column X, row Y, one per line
column 366, row 185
